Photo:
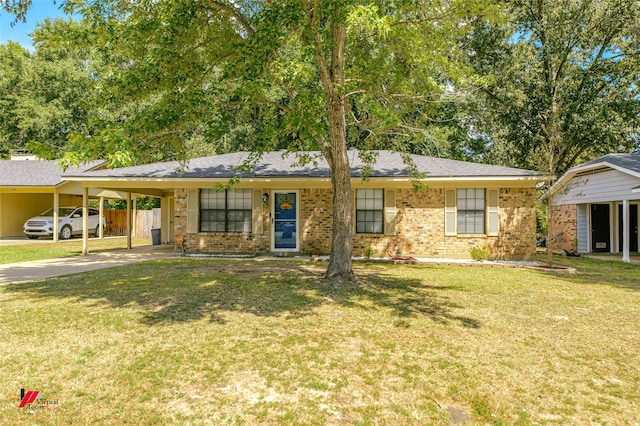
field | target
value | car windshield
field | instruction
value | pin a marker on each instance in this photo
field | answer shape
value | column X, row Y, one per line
column 61, row 212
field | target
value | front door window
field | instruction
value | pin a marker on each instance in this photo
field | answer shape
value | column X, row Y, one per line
column 285, row 225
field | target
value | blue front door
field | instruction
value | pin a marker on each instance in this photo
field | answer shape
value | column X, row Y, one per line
column 285, row 225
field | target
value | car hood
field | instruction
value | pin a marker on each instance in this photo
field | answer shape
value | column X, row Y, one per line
column 41, row 218
column 46, row 217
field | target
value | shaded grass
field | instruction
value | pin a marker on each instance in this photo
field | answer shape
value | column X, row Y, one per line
column 38, row 250
column 204, row 341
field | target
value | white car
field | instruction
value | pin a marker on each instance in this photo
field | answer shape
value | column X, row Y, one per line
column 69, row 223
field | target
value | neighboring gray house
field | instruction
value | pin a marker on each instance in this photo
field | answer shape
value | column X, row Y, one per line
column 595, row 206
column 283, row 207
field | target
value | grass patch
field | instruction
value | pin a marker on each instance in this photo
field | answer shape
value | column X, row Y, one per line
column 38, row 250
column 194, row 341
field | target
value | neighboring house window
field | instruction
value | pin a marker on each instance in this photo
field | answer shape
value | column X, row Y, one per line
column 369, row 211
column 225, row 211
column 471, row 209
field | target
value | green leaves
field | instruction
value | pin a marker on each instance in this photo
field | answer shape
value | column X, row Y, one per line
column 214, row 76
column 43, row 94
column 561, row 82
column 365, row 20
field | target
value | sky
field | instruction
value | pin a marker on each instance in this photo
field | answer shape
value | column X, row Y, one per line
column 40, row 9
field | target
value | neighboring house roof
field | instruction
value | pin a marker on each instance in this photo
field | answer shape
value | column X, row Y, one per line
column 283, row 165
column 38, row 173
column 629, row 162
column 625, row 163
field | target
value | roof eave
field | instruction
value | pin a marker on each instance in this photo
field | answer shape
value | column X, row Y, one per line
column 97, row 166
column 79, row 178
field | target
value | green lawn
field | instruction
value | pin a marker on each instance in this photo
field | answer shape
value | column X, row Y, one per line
column 47, row 249
column 202, row 341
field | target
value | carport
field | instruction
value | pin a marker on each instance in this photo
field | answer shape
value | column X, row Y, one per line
column 104, row 180
column 29, row 186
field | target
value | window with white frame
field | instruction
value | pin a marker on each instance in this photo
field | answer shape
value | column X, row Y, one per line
column 369, row 211
column 225, row 211
column 470, row 203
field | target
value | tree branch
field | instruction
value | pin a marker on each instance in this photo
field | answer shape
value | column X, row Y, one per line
column 231, row 10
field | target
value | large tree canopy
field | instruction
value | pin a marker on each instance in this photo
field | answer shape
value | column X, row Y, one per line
column 563, row 82
column 325, row 75
column 43, row 94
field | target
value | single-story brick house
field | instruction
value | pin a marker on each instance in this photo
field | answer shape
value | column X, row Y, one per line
column 595, row 206
column 284, row 207
column 29, row 186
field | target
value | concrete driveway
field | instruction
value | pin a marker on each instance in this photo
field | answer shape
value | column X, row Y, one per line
column 11, row 241
column 11, row 273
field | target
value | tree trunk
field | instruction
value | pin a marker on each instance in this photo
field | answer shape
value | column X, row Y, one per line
column 342, row 243
column 332, row 74
column 550, row 230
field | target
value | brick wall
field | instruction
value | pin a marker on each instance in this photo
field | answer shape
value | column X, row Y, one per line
column 215, row 242
column 564, row 227
column 419, row 228
column 316, row 217
column 517, row 236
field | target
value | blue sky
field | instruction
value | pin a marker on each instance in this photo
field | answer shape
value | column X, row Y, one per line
column 40, row 9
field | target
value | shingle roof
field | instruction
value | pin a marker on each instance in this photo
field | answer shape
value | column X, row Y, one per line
column 626, row 161
column 278, row 164
column 37, row 172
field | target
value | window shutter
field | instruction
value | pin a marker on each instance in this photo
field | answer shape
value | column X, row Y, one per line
column 493, row 221
column 353, row 210
column 449, row 212
column 390, row 212
column 192, row 211
column 256, row 212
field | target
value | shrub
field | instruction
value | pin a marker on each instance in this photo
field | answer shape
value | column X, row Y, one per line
column 367, row 251
column 479, row 253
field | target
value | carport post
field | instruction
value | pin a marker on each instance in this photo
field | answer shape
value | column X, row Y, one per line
column 85, row 220
column 56, row 208
column 101, row 218
column 134, row 221
column 128, row 220
column 625, row 231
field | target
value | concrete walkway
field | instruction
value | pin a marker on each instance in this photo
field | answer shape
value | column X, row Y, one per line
column 11, row 273
column 634, row 258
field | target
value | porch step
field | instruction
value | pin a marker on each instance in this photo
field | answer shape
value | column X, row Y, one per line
column 285, row 254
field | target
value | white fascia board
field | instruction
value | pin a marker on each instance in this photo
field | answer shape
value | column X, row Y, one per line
column 94, row 179
column 174, row 181
column 623, row 170
column 570, row 174
column 485, row 178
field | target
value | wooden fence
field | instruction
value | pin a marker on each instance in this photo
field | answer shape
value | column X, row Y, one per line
column 142, row 222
